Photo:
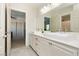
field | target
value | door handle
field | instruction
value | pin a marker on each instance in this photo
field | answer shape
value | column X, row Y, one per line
column 5, row 36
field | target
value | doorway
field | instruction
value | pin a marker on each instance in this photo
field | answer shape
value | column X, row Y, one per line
column 65, row 23
column 17, row 29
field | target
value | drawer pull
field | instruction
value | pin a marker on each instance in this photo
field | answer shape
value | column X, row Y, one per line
column 36, row 38
column 36, row 44
column 50, row 43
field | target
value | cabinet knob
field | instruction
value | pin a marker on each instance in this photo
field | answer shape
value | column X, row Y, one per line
column 36, row 38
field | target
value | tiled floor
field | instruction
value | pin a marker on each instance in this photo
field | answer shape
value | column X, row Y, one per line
column 22, row 51
column 19, row 49
column 17, row 43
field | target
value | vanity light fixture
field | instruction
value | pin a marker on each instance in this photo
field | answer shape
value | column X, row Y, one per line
column 49, row 7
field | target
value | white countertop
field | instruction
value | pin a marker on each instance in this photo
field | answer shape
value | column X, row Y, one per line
column 71, row 39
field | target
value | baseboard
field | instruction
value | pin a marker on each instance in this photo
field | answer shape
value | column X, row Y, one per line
column 33, row 50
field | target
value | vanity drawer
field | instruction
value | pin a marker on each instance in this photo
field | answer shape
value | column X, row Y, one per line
column 43, row 41
column 65, row 48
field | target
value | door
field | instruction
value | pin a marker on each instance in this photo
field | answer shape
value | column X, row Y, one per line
column 8, row 28
column 5, row 34
column 2, row 29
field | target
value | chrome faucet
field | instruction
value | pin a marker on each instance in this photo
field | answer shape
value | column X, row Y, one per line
column 42, row 30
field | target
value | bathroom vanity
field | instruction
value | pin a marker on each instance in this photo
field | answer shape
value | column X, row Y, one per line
column 55, row 44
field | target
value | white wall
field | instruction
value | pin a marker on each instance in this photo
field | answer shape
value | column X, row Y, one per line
column 31, row 17
column 75, row 18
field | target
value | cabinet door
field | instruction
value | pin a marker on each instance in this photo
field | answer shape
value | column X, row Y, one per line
column 49, row 48
column 78, row 52
column 43, row 48
column 62, row 50
column 33, row 42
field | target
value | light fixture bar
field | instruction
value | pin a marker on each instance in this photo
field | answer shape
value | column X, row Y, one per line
column 49, row 7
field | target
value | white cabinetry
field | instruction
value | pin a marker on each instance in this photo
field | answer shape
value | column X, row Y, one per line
column 33, row 42
column 45, row 47
column 62, row 50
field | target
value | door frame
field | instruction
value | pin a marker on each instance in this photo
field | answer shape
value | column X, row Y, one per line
column 2, row 29
column 5, row 30
column 24, row 22
column 68, row 13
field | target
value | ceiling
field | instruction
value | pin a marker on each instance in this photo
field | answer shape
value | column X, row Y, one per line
column 37, row 6
column 17, row 14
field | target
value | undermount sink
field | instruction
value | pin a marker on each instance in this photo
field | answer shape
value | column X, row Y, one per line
column 60, row 35
column 57, row 34
column 65, row 36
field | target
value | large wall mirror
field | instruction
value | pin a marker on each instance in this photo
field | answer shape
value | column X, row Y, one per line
column 62, row 19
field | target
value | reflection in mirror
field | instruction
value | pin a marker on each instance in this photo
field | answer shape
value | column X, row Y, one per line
column 46, row 24
column 65, row 23
column 64, row 18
